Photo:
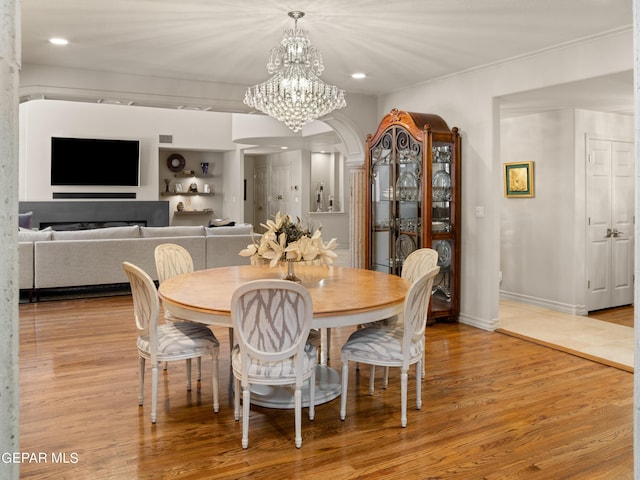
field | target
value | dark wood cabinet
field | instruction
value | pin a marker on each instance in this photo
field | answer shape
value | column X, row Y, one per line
column 413, row 200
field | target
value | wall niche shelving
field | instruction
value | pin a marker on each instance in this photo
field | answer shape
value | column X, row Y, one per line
column 197, row 189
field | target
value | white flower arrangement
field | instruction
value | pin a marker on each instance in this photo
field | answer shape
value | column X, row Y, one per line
column 286, row 240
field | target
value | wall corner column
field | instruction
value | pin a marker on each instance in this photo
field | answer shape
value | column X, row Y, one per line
column 9, row 320
column 357, row 181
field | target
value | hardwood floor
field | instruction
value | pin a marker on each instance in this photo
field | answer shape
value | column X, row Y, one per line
column 618, row 315
column 494, row 407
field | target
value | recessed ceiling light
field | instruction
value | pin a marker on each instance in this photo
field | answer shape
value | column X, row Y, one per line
column 58, row 41
column 358, row 75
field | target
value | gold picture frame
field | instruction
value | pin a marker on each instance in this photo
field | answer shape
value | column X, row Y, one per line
column 518, row 180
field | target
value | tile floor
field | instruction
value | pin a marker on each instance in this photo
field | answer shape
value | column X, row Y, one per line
column 583, row 336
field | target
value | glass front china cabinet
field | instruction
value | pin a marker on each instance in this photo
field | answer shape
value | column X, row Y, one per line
column 413, row 201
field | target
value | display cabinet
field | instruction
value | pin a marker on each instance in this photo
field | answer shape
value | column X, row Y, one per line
column 413, row 200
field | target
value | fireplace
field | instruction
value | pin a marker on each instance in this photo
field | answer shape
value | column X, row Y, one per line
column 68, row 215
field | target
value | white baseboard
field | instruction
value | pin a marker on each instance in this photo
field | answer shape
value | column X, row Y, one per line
column 477, row 322
column 544, row 303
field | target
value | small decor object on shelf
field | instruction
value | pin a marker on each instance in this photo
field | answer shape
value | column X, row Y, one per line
column 286, row 240
column 319, row 197
column 441, row 186
column 166, row 185
column 221, row 222
column 175, row 162
column 180, row 207
column 205, row 167
column 193, row 188
column 178, row 188
column 206, row 188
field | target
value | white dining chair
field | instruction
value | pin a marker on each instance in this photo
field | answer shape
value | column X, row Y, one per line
column 168, row 341
column 173, row 260
column 417, row 263
column 401, row 346
column 271, row 319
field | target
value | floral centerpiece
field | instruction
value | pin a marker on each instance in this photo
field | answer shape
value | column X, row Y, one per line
column 286, row 240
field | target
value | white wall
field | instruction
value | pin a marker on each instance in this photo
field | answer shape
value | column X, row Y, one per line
column 537, row 238
column 191, row 130
column 470, row 101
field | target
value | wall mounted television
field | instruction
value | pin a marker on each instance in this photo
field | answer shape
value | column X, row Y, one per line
column 95, row 162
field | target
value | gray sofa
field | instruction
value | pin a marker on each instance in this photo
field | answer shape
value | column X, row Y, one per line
column 52, row 259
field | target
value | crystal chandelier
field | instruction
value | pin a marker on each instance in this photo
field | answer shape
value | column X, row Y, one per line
column 294, row 94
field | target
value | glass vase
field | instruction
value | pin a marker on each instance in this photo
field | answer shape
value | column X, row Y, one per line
column 291, row 275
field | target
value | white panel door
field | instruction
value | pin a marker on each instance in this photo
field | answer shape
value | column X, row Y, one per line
column 280, row 179
column 622, row 220
column 610, row 203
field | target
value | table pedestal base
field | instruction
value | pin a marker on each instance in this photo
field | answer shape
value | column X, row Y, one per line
column 328, row 387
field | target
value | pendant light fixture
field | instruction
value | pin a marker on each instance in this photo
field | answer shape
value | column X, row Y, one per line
column 295, row 94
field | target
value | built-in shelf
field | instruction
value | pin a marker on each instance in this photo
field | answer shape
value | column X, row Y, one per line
column 193, row 212
column 187, row 194
column 199, row 189
column 192, row 175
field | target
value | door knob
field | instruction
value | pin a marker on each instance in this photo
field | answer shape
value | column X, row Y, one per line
column 609, row 233
column 616, row 233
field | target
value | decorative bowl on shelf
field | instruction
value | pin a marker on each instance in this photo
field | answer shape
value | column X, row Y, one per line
column 220, row 222
column 443, row 247
column 404, row 246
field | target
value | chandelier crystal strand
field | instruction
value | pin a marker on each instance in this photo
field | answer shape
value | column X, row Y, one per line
column 295, row 94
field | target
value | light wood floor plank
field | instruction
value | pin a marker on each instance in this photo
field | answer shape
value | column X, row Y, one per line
column 494, row 407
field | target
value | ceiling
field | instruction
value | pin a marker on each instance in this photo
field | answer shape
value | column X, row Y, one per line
column 396, row 44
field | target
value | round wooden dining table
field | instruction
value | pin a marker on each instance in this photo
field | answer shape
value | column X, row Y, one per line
column 342, row 296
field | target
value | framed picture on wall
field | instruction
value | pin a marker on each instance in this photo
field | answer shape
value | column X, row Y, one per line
column 518, row 179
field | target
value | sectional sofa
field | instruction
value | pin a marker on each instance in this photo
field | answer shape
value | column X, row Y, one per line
column 51, row 259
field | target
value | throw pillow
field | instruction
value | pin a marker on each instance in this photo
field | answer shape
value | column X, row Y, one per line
column 24, row 219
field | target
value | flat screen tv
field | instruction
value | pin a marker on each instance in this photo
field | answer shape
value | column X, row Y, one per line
column 91, row 161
